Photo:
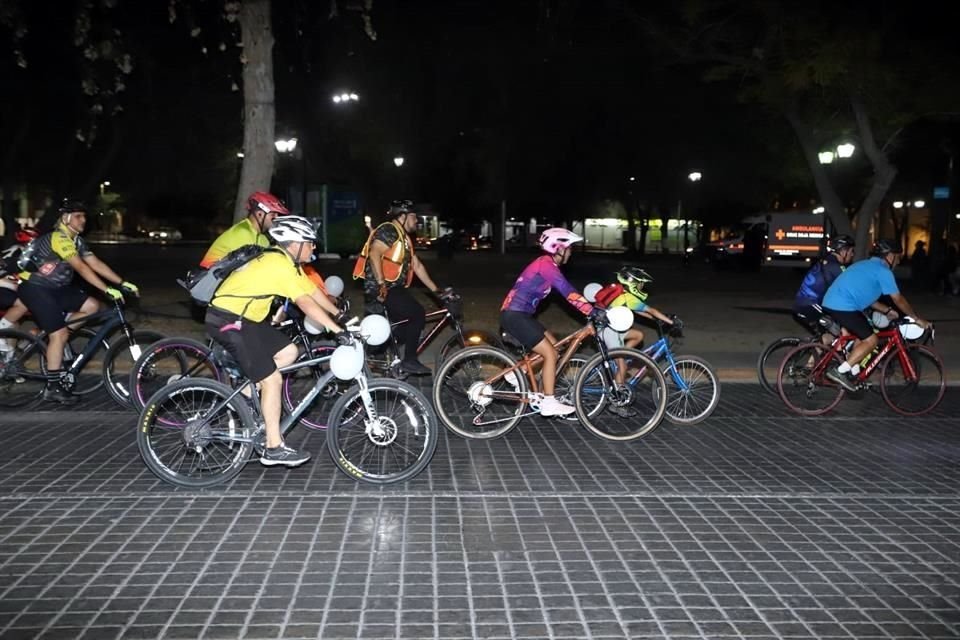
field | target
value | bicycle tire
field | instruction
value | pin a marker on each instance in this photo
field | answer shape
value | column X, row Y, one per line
column 167, row 361
column 466, row 370
column 316, row 416
column 805, row 389
column 400, row 449
column 120, row 361
column 611, row 413
column 23, row 369
column 768, row 364
column 78, row 341
column 687, row 407
column 161, row 442
column 925, row 392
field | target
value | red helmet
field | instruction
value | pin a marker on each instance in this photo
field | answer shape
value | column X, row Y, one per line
column 266, row 202
column 25, row 235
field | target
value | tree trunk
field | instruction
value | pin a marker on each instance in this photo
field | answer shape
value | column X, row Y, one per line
column 883, row 175
column 259, row 115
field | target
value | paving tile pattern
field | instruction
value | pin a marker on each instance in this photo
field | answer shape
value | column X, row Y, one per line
column 753, row 524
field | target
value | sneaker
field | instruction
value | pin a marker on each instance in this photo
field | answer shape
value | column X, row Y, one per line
column 842, row 379
column 283, row 455
column 56, row 393
column 553, row 407
column 414, row 368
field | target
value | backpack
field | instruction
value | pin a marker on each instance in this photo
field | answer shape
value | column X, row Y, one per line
column 28, row 260
column 202, row 283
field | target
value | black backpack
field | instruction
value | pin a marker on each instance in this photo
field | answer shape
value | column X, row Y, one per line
column 202, row 283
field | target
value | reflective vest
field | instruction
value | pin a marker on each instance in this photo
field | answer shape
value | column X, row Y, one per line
column 393, row 258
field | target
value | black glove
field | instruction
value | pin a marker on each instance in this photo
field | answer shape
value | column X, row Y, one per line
column 598, row 316
column 343, row 338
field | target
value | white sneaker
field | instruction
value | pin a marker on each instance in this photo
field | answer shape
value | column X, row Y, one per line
column 553, row 407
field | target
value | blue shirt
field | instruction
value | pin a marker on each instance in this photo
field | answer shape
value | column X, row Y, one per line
column 860, row 285
column 818, row 279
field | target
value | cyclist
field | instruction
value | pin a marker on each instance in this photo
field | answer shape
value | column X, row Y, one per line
column 387, row 264
column 262, row 209
column 859, row 287
column 628, row 292
column 533, row 285
column 10, row 280
column 47, row 292
column 238, row 319
column 806, row 304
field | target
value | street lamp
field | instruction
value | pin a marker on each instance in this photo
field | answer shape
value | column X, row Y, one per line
column 103, row 186
column 286, row 145
column 398, row 161
column 841, row 151
column 344, row 97
column 693, row 176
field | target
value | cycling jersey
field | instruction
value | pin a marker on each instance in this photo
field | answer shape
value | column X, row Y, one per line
column 249, row 291
column 52, row 251
column 860, row 285
column 817, row 280
column 615, row 295
column 534, row 284
column 240, row 234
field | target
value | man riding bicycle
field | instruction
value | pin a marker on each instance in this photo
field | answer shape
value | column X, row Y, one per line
column 818, row 279
column 238, row 319
column 47, row 292
column 536, row 281
column 262, row 210
column 859, row 287
column 10, row 281
column 387, row 264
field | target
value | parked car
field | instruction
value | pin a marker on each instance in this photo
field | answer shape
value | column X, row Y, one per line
column 164, row 234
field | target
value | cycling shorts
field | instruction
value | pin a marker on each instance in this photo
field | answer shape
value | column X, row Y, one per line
column 853, row 321
column 522, row 327
column 253, row 345
column 7, row 298
column 49, row 305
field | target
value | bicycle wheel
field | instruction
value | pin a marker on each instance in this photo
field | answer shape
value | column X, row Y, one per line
column 89, row 378
column 468, row 405
column 183, row 444
column 919, row 392
column 120, row 361
column 625, row 410
column 23, row 368
column 395, row 445
column 802, row 382
column 167, row 361
column 296, row 385
column 768, row 365
column 693, row 390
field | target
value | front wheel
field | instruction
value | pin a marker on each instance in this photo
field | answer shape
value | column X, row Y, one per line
column 912, row 383
column 802, row 381
column 393, row 443
column 120, row 362
column 768, row 365
column 693, row 390
column 621, row 397
column 184, row 442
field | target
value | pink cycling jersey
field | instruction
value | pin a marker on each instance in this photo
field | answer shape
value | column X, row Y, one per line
column 536, row 282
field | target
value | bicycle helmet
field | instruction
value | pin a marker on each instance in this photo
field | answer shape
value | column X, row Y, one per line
column 884, row 246
column 25, row 235
column 69, row 205
column 842, row 242
column 556, row 238
column 398, row 208
column 266, row 202
column 633, row 279
column 292, row 229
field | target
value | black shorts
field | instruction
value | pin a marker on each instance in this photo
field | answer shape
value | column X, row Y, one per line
column 808, row 316
column 523, row 327
column 7, row 298
column 853, row 321
column 253, row 345
column 49, row 305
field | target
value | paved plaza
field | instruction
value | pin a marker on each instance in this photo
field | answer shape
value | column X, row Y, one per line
column 753, row 524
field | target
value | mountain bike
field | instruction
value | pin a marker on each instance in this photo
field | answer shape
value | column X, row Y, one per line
column 198, row 432
column 483, row 392
column 23, row 370
column 911, row 374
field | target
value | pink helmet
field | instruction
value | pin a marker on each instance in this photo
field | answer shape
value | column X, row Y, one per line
column 556, row 238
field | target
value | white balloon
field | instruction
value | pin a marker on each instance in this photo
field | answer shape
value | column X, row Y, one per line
column 879, row 320
column 334, row 285
column 313, row 328
column 620, row 318
column 590, row 291
column 911, row 331
column 375, row 330
column 347, row 361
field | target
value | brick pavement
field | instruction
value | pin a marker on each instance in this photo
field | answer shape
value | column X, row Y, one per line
column 753, row 524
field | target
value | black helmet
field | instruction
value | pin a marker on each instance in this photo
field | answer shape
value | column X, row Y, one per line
column 884, row 246
column 69, row 205
column 842, row 242
column 399, row 207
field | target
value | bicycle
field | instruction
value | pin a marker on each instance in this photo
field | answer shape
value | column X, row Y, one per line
column 805, row 389
column 386, row 361
column 768, row 364
column 200, row 433
column 483, row 392
column 23, row 370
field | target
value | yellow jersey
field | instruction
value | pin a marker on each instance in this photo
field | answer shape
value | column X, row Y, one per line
column 239, row 235
column 249, row 291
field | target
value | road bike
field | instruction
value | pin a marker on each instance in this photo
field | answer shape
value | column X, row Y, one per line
column 484, row 392
column 198, row 432
column 911, row 374
column 768, row 364
column 23, row 369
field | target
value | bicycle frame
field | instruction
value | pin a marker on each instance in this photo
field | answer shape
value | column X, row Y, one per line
column 441, row 317
column 892, row 341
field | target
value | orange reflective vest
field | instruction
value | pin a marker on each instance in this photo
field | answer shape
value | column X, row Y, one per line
column 393, row 258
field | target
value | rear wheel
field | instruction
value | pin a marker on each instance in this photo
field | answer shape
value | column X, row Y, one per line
column 802, row 381
column 120, row 362
column 168, row 361
column 23, row 368
column 913, row 393
column 768, row 365
column 471, row 338
column 693, row 390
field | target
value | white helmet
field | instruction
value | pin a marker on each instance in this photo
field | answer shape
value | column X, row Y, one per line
column 556, row 238
column 292, row 229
